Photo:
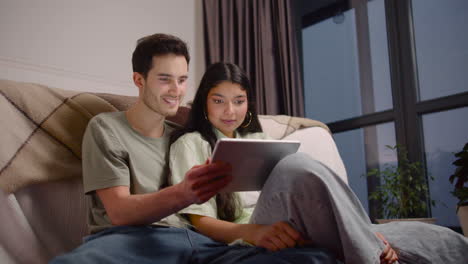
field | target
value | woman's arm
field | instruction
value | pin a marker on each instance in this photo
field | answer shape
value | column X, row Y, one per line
column 272, row 237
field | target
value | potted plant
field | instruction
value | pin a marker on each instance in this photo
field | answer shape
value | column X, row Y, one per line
column 401, row 189
column 460, row 178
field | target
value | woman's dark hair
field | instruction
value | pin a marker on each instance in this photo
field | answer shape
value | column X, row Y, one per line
column 228, row 204
column 156, row 45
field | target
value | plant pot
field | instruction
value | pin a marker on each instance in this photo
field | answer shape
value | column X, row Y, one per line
column 424, row 220
column 463, row 217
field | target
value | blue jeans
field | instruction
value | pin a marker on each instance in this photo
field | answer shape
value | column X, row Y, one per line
column 147, row 244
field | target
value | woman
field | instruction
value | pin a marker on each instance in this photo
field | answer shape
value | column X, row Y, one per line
column 302, row 202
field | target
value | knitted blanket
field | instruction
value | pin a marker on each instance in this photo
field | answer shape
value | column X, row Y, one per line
column 42, row 129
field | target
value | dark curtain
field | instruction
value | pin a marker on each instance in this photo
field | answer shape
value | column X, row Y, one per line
column 259, row 36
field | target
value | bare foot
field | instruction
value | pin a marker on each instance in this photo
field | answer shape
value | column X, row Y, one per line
column 388, row 255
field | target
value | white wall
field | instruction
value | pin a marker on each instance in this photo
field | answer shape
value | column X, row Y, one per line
column 86, row 45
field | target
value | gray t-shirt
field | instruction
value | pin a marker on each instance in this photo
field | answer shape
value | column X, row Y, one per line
column 114, row 154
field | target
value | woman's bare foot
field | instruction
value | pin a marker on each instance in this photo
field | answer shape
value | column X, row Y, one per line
column 388, row 255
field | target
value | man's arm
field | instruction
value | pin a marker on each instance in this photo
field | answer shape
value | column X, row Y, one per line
column 200, row 184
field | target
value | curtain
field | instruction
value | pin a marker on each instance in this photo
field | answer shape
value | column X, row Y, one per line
column 260, row 37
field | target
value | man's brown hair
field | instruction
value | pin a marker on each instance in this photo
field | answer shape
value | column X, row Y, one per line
column 156, row 45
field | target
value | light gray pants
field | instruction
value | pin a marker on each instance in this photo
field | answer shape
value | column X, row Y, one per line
column 320, row 205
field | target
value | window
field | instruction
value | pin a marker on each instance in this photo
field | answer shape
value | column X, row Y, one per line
column 357, row 80
column 358, row 154
column 388, row 71
column 441, row 47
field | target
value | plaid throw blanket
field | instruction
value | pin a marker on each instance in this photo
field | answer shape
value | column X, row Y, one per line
column 42, row 129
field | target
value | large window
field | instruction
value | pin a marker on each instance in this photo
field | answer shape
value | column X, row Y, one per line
column 441, row 40
column 330, row 58
column 388, row 71
column 445, row 133
column 355, row 154
column 356, row 80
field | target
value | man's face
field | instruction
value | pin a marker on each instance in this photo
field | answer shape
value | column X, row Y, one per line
column 165, row 84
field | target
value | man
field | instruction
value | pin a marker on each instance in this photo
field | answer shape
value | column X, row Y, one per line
column 132, row 218
column 124, row 154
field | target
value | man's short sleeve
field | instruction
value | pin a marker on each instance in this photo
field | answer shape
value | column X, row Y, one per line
column 104, row 160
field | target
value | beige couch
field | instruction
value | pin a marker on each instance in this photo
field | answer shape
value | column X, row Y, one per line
column 42, row 206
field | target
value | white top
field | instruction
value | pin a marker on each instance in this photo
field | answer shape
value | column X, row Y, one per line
column 190, row 150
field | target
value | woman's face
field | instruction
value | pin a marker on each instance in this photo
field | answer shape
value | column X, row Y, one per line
column 226, row 107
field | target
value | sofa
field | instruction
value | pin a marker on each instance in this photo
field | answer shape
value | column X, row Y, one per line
column 42, row 205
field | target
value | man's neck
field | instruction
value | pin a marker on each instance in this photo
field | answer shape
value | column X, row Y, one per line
column 145, row 121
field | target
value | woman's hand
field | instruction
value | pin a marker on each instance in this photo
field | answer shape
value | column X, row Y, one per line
column 388, row 255
column 274, row 237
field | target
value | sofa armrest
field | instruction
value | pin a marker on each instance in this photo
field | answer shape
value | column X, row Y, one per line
column 316, row 142
column 18, row 242
column 41, row 221
column 5, row 257
column 319, row 144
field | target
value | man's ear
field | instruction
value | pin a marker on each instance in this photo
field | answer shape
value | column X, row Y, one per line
column 139, row 81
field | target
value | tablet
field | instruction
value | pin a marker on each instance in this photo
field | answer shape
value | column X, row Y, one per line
column 252, row 160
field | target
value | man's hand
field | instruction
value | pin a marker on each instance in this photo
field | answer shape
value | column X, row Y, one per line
column 204, row 181
column 200, row 184
column 274, row 237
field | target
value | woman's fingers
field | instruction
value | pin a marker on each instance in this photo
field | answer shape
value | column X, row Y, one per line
column 279, row 244
column 280, row 235
column 290, row 231
column 268, row 244
column 394, row 257
column 379, row 235
column 287, row 240
column 388, row 255
column 288, row 234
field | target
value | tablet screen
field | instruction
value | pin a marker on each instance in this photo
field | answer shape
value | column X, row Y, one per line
column 252, row 160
